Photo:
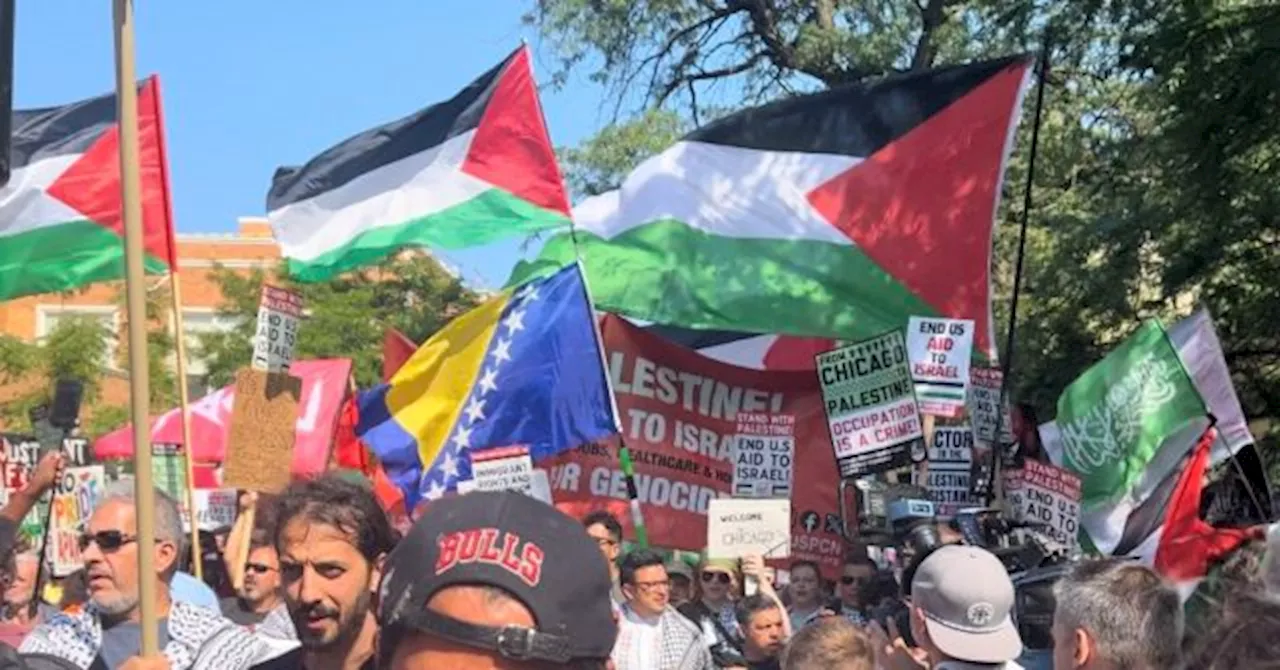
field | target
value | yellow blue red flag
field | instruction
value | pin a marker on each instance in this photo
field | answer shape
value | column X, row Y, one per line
column 524, row 368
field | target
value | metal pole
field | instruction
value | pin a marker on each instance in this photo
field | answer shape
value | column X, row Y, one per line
column 136, row 289
column 997, row 449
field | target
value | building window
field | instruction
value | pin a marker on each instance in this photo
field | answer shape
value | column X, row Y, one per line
column 48, row 317
column 197, row 321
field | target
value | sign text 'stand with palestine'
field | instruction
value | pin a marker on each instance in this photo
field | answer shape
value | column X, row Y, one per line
column 940, row 350
column 871, row 405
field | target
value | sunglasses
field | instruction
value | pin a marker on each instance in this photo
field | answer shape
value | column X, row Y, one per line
column 847, row 580
column 258, row 568
column 107, row 540
column 722, row 577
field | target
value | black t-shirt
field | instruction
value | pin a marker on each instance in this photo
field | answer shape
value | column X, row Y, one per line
column 769, row 664
column 294, row 661
column 232, row 610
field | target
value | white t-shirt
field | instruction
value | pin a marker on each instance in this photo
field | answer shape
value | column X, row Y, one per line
column 638, row 642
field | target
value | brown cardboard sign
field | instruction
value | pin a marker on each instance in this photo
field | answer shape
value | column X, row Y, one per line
column 260, row 441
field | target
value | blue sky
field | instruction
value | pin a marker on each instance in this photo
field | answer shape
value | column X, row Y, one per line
column 252, row 84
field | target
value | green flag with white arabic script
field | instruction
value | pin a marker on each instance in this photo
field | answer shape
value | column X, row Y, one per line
column 1115, row 416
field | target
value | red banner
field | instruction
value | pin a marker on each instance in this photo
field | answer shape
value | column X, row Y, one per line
column 324, row 385
column 680, row 412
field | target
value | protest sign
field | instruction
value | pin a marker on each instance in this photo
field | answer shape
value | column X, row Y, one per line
column 950, row 460
column 324, row 386
column 507, row 469
column 871, row 405
column 680, row 415
column 215, row 508
column 74, row 498
column 278, row 314
column 1048, row 495
column 763, row 452
column 940, row 350
column 738, row 528
column 260, row 446
column 984, row 396
column 18, row 457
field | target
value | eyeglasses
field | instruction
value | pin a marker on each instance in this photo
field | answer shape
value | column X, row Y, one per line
column 258, row 568
column 653, row 586
column 107, row 540
column 722, row 577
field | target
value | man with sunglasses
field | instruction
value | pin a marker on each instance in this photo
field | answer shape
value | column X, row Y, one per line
column 260, row 593
column 856, row 577
column 495, row 581
column 107, row 633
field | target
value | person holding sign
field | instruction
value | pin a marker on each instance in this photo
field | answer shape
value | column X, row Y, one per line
column 108, row 633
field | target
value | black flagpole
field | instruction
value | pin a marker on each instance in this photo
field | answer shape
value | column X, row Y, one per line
column 997, row 448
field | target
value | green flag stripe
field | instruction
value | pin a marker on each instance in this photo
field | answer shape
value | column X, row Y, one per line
column 62, row 257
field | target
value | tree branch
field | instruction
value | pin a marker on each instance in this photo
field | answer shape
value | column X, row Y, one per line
column 703, row 75
column 931, row 18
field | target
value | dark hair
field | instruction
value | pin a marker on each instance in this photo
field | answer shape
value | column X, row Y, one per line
column 261, row 537
column 859, row 559
column 752, row 605
column 634, row 561
column 603, row 518
column 795, row 565
column 1245, row 636
column 335, row 501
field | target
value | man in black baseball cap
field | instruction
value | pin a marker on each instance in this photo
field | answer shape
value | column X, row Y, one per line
column 495, row 581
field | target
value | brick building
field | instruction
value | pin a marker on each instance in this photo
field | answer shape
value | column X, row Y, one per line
column 251, row 246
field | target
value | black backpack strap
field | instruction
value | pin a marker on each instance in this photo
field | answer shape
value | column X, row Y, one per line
column 98, row 663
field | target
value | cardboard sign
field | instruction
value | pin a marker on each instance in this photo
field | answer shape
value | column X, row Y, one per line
column 260, row 445
column 763, row 453
column 278, row 316
column 215, row 508
column 738, row 528
column 680, row 414
column 950, row 460
column 74, row 498
column 984, row 397
column 19, row 455
column 871, row 405
column 940, row 350
column 1048, row 495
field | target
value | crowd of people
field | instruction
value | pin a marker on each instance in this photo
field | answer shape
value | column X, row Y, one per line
column 496, row 581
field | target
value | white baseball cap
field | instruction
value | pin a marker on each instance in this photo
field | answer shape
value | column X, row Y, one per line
column 967, row 599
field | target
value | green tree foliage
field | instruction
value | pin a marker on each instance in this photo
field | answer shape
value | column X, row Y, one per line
column 345, row 317
column 1155, row 187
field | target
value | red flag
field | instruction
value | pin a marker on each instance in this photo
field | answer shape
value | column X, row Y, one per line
column 1189, row 546
column 396, row 350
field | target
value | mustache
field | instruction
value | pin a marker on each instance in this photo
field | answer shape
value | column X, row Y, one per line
column 317, row 611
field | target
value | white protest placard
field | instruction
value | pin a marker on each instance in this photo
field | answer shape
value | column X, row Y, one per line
column 507, row 469
column 738, row 527
column 984, row 397
column 950, row 459
column 764, row 450
column 278, row 316
column 871, row 405
column 940, row 350
column 539, row 487
column 75, row 496
column 215, row 508
column 1048, row 495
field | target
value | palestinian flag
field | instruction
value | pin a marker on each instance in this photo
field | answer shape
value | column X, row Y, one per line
column 61, row 217
column 836, row 215
column 462, row 173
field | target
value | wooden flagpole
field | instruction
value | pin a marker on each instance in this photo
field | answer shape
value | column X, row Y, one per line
column 188, row 449
column 136, row 290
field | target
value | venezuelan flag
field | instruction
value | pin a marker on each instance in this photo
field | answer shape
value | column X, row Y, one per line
column 524, row 368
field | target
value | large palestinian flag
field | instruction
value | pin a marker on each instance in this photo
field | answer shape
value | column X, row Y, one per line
column 838, row 214
column 61, row 219
column 473, row 169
